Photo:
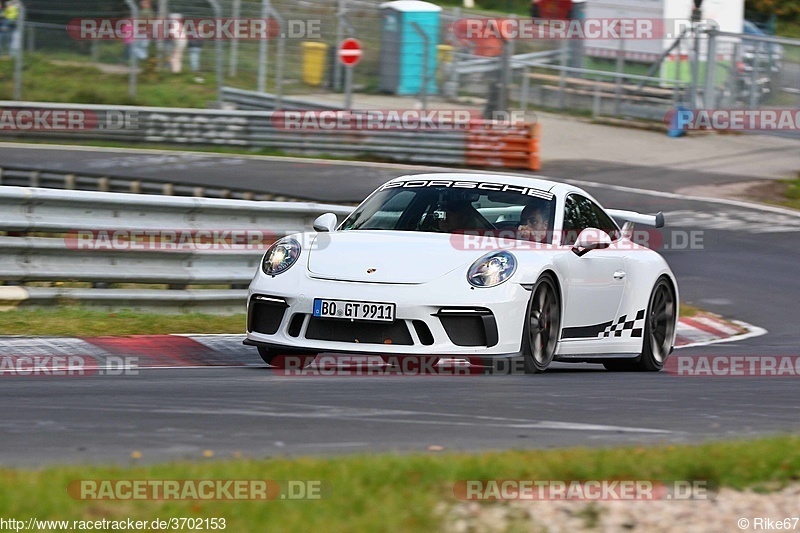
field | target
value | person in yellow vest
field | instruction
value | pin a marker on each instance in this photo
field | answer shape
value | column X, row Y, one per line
column 8, row 29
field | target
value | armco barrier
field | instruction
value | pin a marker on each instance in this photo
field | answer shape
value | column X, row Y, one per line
column 98, row 181
column 258, row 129
column 61, row 213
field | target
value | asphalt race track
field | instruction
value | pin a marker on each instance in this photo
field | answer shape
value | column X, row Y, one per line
column 746, row 269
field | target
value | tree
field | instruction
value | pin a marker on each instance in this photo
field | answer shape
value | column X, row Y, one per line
column 783, row 9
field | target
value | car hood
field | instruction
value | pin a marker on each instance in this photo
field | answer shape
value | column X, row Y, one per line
column 386, row 256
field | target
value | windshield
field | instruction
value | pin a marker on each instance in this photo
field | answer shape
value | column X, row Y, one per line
column 457, row 207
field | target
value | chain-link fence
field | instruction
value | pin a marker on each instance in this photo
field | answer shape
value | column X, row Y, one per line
column 299, row 58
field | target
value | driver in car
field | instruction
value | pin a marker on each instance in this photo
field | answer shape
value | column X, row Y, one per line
column 533, row 223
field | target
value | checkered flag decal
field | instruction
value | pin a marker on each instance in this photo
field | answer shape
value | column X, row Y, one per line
column 626, row 328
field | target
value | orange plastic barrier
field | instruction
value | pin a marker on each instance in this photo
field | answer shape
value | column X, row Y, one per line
column 490, row 144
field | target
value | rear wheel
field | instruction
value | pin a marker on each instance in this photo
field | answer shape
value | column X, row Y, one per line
column 284, row 361
column 542, row 326
column 659, row 330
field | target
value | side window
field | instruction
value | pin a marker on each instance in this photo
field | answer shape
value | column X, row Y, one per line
column 576, row 212
column 604, row 222
column 581, row 213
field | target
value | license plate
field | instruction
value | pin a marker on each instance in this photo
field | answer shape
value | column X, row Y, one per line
column 347, row 309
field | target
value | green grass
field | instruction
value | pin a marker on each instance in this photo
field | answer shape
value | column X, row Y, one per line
column 687, row 310
column 81, row 322
column 390, row 492
column 792, row 194
column 44, row 81
column 788, row 28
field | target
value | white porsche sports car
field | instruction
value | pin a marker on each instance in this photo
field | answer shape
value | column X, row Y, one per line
column 469, row 265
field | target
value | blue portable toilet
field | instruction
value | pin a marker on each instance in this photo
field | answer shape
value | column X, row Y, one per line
column 403, row 49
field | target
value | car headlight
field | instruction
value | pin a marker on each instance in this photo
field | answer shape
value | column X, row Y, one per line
column 492, row 269
column 280, row 256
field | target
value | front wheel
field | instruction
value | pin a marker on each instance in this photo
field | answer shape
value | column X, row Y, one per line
column 283, row 361
column 542, row 326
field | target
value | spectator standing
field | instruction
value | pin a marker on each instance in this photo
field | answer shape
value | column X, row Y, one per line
column 8, row 32
column 178, row 45
column 141, row 46
column 195, row 47
column 127, row 32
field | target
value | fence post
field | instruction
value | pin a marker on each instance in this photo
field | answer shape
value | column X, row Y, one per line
column 279, row 59
column 562, row 78
column 18, row 53
column 754, row 89
column 596, row 99
column 131, row 50
column 526, row 85
column 234, row 60
column 423, row 92
column 220, row 57
column 620, row 73
column 163, row 11
column 263, row 52
column 709, row 93
column 341, row 11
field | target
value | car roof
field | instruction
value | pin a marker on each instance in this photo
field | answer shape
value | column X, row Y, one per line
column 537, row 182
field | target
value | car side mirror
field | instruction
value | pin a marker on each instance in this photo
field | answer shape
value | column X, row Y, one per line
column 591, row 239
column 325, row 223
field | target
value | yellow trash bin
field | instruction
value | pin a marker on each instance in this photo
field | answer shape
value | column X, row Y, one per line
column 314, row 55
column 445, row 53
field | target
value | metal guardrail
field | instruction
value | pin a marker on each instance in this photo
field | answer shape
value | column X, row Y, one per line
column 619, row 92
column 95, row 181
column 470, row 64
column 62, row 256
column 252, row 129
column 257, row 101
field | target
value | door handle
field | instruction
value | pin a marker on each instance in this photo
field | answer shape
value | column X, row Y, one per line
column 619, row 274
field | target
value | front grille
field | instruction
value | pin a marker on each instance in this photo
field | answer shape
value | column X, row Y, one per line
column 265, row 314
column 469, row 327
column 296, row 324
column 322, row 329
column 464, row 330
column 423, row 332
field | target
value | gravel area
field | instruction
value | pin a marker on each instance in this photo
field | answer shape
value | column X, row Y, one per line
column 722, row 512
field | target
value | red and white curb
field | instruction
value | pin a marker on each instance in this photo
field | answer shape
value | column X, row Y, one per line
column 202, row 351
column 706, row 328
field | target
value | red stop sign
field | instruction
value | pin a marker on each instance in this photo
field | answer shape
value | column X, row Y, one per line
column 350, row 52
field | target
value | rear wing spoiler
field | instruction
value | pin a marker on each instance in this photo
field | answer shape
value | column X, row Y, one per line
column 656, row 220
